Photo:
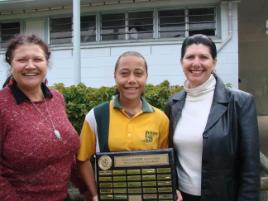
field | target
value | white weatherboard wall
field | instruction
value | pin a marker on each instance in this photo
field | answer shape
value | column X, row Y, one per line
column 35, row 26
column 97, row 62
column 3, row 70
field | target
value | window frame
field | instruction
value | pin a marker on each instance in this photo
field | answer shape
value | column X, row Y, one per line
column 187, row 22
column 156, row 36
column 172, row 9
column 4, row 44
column 95, row 30
column 126, row 33
column 50, row 29
column 202, row 21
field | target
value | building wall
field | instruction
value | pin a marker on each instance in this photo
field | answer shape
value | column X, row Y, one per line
column 3, row 69
column 253, row 48
column 253, row 65
column 97, row 61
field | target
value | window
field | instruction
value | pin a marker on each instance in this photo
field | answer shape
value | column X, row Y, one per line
column 136, row 25
column 60, row 30
column 177, row 23
column 171, row 23
column 202, row 21
column 7, row 31
column 88, row 28
column 140, row 25
column 113, row 27
column 127, row 26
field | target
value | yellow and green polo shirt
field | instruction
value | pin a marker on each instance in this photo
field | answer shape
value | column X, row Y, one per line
column 146, row 130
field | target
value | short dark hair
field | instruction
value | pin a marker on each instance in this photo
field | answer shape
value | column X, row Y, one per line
column 199, row 39
column 131, row 53
column 22, row 39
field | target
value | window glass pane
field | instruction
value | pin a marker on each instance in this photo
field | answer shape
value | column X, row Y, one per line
column 171, row 23
column 202, row 21
column 8, row 30
column 113, row 27
column 61, row 30
column 88, row 28
column 140, row 25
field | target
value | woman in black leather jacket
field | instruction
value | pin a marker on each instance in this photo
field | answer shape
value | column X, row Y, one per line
column 213, row 130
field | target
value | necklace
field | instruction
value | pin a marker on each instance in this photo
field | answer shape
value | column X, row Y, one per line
column 48, row 119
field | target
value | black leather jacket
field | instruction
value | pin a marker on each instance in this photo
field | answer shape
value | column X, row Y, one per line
column 230, row 159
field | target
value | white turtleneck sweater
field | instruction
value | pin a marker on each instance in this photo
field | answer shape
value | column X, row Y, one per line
column 188, row 136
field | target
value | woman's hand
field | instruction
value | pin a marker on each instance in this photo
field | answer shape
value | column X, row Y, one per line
column 179, row 196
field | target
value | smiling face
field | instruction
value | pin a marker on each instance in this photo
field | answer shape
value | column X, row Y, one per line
column 29, row 66
column 130, row 76
column 198, row 64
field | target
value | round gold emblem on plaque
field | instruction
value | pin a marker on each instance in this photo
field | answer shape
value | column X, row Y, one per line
column 105, row 162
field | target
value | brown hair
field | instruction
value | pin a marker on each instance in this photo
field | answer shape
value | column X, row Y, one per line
column 22, row 39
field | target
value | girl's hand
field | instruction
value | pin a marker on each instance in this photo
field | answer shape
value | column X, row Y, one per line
column 89, row 197
column 179, row 196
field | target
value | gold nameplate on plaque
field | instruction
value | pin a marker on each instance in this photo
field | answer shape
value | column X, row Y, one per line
column 136, row 175
column 141, row 160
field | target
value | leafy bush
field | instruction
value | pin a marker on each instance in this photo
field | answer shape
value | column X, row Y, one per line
column 80, row 98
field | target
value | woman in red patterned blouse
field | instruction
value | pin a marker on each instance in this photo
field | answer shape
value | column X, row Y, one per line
column 37, row 141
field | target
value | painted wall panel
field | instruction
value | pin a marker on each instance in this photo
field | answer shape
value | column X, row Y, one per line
column 4, row 68
column 166, row 49
column 61, row 54
column 144, row 50
column 96, row 52
column 35, row 26
column 98, row 61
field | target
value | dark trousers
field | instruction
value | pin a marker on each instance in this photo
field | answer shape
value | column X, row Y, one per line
column 188, row 197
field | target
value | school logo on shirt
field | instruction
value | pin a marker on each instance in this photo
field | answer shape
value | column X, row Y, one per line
column 149, row 136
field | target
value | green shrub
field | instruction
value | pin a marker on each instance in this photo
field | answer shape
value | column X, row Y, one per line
column 80, row 98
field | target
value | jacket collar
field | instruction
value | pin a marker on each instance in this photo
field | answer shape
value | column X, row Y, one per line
column 219, row 104
column 220, row 101
column 221, row 94
column 20, row 97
